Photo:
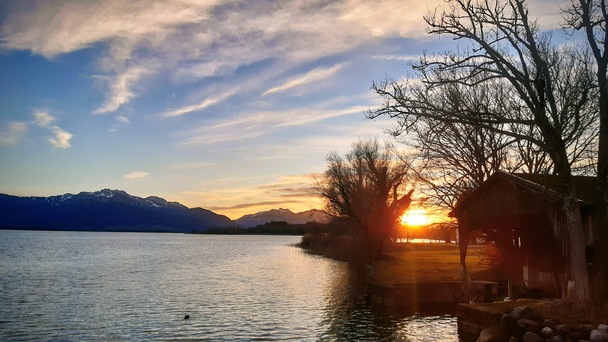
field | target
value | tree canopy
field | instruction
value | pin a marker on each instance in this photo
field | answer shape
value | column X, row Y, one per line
column 368, row 186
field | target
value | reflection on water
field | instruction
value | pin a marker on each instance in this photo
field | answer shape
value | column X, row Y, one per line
column 122, row 286
column 350, row 317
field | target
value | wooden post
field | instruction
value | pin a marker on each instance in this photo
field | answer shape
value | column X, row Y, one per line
column 464, row 232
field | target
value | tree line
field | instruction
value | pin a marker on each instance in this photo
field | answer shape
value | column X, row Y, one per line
column 268, row 228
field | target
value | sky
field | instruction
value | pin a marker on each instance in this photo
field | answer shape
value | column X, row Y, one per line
column 227, row 105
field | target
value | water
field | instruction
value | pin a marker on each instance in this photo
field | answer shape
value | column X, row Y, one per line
column 87, row 286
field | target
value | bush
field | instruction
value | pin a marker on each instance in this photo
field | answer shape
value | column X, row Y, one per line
column 336, row 240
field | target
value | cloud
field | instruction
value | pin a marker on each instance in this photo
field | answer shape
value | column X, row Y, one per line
column 251, row 205
column 61, row 139
column 120, row 91
column 192, row 40
column 252, row 125
column 136, row 175
column 398, row 58
column 43, row 119
column 13, row 133
column 198, row 107
column 71, row 26
column 122, row 119
column 314, row 75
column 239, row 196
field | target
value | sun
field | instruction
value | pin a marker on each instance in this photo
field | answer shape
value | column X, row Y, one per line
column 416, row 217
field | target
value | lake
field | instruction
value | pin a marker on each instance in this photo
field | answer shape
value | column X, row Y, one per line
column 93, row 286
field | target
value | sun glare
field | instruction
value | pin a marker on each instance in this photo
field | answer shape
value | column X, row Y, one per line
column 416, row 217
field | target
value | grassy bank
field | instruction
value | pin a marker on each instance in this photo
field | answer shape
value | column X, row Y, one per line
column 410, row 263
column 439, row 262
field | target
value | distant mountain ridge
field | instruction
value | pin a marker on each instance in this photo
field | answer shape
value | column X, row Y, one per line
column 252, row 220
column 111, row 210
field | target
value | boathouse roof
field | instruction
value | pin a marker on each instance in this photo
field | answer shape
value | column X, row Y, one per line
column 544, row 184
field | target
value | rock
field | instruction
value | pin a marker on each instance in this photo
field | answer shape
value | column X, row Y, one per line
column 521, row 312
column 563, row 329
column 597, row 335
column 529, row 325
column 585, row 330
column 574, row 336
column 508, row 322
column 495, row 333
column 532, row 337
column 603, row 327
column 513, row 339
column 556, row 338
column 550, row 323
column 548, row 332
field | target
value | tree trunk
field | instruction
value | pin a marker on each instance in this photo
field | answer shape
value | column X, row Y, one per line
column 576, row 245
column 600, row 224
column 600, row 260
column 375, row 241
column 464, row 235
column 600, row 220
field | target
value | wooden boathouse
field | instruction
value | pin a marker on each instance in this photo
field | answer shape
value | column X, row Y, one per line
column 523, row 216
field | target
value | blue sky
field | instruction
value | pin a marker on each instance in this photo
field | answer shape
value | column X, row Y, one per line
column 227, row 105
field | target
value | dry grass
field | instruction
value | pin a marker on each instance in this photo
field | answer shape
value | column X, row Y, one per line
column 440, row 262
column 425, row 263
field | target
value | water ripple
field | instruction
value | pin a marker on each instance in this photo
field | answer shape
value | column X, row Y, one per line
column 71, row 286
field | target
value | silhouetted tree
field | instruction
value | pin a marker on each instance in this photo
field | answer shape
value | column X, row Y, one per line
column 591, row 16
column 541, row 95
column 369, row 187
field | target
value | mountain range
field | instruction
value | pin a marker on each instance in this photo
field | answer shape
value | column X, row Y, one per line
column 252, row 220
column 116, row 210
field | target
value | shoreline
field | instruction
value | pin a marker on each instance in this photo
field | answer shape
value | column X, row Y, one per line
column 415, row 277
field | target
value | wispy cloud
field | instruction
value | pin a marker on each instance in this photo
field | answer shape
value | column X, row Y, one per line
column 251, row 205
column 61, row 139
column 248, row 126
column 314, row 75
column 122, row 119
column 192, row 40
column 43, row 119
column 292, row 192
column 120, row 91
column 398, row 58
column 136, row 175
column 198, row 107
column 71, row 26
column 13, row 133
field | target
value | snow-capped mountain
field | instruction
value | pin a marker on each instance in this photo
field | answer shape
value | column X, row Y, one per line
column 106, row 209
column 252, row 220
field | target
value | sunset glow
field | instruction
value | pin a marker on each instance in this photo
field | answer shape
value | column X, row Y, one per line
column 416, row 217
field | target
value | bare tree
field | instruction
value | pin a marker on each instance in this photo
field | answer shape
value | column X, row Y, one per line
column 507, row 52
column 368, row 186
column 591, row 16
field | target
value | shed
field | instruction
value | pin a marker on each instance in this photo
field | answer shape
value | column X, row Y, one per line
column 525, row 211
